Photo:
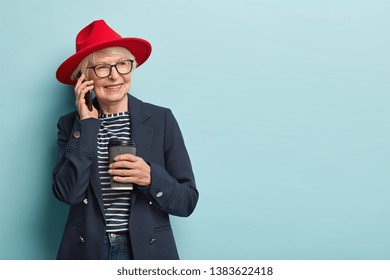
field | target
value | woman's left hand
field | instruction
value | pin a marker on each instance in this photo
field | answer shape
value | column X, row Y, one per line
column 128, row 168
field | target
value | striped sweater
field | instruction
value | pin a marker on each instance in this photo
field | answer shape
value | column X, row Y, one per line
column 116, row 202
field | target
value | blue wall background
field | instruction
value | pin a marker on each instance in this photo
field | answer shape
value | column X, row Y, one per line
column 284, row 106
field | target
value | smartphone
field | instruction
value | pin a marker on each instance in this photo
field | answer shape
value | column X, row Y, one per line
column 88, row 96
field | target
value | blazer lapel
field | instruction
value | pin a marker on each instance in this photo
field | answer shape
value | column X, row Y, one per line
column 140, row 133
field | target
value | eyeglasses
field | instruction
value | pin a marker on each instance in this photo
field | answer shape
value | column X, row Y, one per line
column 104, row 70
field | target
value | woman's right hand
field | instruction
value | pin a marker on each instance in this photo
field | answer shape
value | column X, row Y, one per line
column 81, row 88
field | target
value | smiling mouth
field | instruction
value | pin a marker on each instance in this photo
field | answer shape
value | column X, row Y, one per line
column 113, row 87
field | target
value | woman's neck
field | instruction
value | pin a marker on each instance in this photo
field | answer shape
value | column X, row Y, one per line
column 112, row 108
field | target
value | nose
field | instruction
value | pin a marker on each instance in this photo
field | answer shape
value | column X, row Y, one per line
column 114, row 73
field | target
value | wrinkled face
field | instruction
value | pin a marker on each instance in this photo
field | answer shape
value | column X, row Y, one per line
column 112, row 89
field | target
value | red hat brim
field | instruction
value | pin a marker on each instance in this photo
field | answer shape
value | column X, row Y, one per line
column 140, row 48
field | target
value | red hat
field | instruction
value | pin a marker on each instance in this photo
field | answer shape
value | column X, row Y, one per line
column 96, row 36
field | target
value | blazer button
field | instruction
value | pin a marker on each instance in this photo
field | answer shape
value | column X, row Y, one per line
column 152, row 241
column 85, row 201
column 159, row 194
column 150, row 202
column 82, row 239
column 76, row 134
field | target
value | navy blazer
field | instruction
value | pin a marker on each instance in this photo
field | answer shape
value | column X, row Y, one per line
column 76, row 182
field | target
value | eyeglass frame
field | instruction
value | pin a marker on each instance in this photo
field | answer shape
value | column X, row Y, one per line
column 112, row 65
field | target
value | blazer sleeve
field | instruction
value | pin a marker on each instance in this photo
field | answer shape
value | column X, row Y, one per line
column 173, row 188
column 76, row 150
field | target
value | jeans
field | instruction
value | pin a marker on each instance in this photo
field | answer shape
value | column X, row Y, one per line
column 117, row 247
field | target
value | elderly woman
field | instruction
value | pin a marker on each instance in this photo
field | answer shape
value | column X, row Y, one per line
column 118, row 223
